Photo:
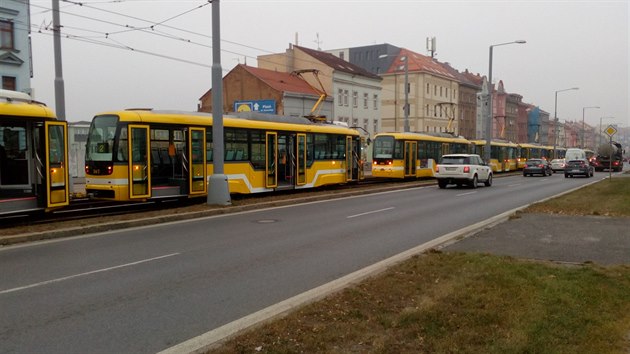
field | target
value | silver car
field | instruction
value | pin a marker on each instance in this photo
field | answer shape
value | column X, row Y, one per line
column 558, row 165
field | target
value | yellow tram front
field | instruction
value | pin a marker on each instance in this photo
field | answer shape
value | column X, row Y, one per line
column 143, row 154
column 33, row 156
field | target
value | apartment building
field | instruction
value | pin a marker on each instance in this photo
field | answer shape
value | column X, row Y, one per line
column 15, row 47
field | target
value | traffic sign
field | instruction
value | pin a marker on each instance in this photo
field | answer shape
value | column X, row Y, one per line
column 610, row 130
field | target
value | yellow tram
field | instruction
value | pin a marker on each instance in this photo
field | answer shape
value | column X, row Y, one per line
column 146, row 154
column 503, row 154
column 401, row 155
column 33, row 156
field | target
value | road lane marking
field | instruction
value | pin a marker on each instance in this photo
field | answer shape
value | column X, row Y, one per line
column 84, row 274
column 463, row 194
column 369, row 212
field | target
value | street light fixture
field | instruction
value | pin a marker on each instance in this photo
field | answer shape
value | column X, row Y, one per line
column 486, row 154
column 583, row 130
column 555, row 118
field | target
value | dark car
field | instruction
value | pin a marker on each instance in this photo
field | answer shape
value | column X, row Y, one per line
column 579, row 167
column 537, row 167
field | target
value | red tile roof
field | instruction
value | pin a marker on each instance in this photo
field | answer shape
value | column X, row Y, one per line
column 418, row 62
column 280, row 81
column 338, row 63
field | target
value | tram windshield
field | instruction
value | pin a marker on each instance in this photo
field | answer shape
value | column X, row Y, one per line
column 384, row 147
column 100, row 143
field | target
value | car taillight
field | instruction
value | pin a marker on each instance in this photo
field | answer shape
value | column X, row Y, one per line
column 541, row 165
column 466, row 169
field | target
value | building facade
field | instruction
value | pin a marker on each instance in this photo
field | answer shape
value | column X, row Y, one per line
column 246, row 88
column 15, row 46
column 356, row 93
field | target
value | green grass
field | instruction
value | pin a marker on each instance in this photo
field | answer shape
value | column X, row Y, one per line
column 610, row 197
column 461, row 303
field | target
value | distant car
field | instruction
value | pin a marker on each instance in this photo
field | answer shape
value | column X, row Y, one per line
column 579, row 167
column 558, row 165
column 463, row 169
column 537, row 167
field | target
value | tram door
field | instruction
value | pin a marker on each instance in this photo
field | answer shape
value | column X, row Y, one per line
column 411, row 152
column 57, row 187
column 139, row 168
column 287, row 160
column 353, row 151
column 271, row 167
column 300, row 160
column 197, row 158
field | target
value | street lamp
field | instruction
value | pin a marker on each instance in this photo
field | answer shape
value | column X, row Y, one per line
column 583, row 130
column 555, row 118
column 486, row 154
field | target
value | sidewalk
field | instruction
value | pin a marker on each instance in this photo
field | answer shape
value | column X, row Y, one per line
column 560, row 238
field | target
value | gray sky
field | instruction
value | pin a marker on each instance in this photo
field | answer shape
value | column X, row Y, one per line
column 569, row 44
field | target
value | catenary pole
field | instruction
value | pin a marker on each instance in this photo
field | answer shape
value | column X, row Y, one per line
column 60, row 98
column 218, row 190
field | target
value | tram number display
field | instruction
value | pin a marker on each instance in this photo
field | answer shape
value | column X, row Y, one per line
column 102, row 148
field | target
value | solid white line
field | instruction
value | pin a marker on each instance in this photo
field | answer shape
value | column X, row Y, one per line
column 462, row 194
column 84, row 274
column 369, row 212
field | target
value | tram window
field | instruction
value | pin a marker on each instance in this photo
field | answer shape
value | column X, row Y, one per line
column 322, row 147
column 14, row 142
column 235, row 142
column 339, row 146
column 101, row 138
column 257, row 144
column 123, row 153
column 56, row 145
column 209, row 147
column 309, row 149
column 384, row 147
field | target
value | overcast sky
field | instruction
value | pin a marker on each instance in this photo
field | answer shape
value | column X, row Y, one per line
column 157, row 53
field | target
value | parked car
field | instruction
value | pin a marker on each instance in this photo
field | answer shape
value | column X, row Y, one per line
column 579, row 167
column 537, row 167
column 558, row 165
column 463, row 169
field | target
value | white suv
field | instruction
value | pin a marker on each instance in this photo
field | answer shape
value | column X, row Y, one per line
column 462, row 169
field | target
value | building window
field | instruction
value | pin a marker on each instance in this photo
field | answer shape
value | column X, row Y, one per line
column 341, row 55
column 340, row 97
column 375, row 101
column 365, row 100
column 345, row 98
column 435, row 111
column 428, row 89
column 434, row 90
column 365, row 124
column 9, row 83
column 440, row 91
column 427, row 113
column 6, row 35
column 375, row 126
column 355, row 99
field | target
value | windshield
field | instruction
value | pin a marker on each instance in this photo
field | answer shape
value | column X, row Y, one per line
column 455, row 160
column 100, row 143
column 383, row 147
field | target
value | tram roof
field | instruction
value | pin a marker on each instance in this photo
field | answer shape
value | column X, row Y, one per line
column 261, row 121
column 14, row 105
column 425, row 136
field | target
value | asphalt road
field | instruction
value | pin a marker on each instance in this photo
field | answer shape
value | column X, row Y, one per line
column 146, row 289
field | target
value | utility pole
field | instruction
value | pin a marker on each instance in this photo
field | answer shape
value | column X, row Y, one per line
column 218, row 187
column 60, row 98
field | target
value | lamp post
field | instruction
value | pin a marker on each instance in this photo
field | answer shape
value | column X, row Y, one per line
column 583, row 130
column 486, row 154
column 555, row 118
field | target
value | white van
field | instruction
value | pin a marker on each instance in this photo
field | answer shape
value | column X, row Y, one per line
column 575, row 154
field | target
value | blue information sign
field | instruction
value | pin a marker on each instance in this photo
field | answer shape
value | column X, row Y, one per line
column 262, row 106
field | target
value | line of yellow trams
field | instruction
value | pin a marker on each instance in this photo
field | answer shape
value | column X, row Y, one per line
column 153, row 155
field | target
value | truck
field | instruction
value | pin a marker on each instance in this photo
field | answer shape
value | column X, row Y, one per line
column 609, row 156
